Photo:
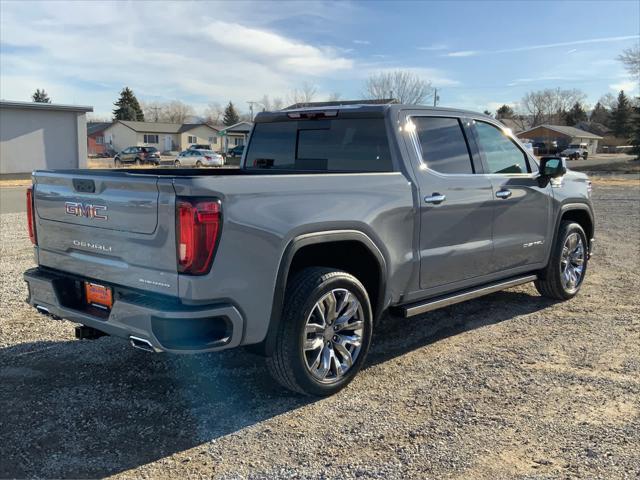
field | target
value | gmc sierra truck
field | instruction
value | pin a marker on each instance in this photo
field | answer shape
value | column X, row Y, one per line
column 336, row 215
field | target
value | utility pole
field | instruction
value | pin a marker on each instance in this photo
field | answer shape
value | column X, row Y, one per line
column 251, row 104
column 435, row 97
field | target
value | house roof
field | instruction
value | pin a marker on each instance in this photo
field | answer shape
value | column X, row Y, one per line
column 240, row 127
column 156, row 127
column 45, row 106
column 97, row 127
column 564, row 130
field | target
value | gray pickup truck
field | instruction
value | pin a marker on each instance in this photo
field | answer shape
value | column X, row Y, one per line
column 336, row 216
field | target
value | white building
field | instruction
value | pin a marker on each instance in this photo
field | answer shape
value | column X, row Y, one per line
column 42, row 135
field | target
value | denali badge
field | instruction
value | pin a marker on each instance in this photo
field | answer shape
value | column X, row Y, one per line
column 85, row 210
column 95, row 246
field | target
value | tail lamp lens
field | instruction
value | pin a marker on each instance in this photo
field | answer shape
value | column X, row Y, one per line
column 31, row 221
column 198, row 227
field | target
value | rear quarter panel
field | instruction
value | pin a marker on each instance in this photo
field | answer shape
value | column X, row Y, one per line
column 262, row 214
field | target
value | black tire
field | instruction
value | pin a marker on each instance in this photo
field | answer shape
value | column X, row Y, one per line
column 287, row 364
column 117, row 162
column 138, row 162
column 198, row 164
column 177, row 163
column 585, row 156
column 549, row 282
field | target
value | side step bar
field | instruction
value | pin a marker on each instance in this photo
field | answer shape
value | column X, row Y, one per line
column 443, row 301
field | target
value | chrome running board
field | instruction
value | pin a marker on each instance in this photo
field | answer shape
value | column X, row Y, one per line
column 445, row 300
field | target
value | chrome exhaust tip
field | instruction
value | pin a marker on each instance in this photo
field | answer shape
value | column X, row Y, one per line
column 142, row 344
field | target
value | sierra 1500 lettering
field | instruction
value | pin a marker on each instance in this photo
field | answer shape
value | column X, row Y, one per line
column 336, row 215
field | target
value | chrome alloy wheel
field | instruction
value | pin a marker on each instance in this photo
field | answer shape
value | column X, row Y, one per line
column 333, row 335
column 572, row 262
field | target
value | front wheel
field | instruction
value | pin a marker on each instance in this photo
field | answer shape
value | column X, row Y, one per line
column 324, row 333
column 176, row 163
column 563, row 276
column 198, row 164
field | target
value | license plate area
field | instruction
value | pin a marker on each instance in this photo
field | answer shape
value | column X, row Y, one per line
column 98, row 296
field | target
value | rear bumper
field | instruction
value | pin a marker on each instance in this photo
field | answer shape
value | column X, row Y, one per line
column 165, row 323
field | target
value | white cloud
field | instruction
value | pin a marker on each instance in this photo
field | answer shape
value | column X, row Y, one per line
column 463, row 53
column 80, row 53
column 470, row 53
column 433, row 48
column 362, row 42
column 629, row 87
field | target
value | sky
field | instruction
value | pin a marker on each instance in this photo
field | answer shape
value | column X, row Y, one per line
column 478, row 54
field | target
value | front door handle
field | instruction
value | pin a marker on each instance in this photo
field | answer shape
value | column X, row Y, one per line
column 435, row 198
column 503, row 193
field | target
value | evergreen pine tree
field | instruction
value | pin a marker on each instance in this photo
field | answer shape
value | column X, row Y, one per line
column 622, row 117
column 231, row 117
column 575, row 115
column 635, row 139
column 505, row 111
column 40, row 96
column 127, row 107
column 600, row 114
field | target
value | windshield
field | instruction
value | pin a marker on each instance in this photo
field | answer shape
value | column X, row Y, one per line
column 352, row 145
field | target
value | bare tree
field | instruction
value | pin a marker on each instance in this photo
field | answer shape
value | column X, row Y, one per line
column 630, row 58
column 305, row 94
column 177, row 112
column 609, row 101
column 277, row 103
column 550, row 105
column 153, row 111
column 334, row 97
column 213, row 113
column 266, row 103
column 403, row 85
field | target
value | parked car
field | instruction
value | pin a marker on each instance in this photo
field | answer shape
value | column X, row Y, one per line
column 200, row 146
column 199, row 158
column 575, row 151
column 235, row 152
column 335, row 217
column 137, row 156
column 542, row 148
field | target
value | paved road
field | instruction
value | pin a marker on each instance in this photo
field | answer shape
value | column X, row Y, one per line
column 12, row 199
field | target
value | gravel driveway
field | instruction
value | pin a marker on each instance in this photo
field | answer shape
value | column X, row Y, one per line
column 507, row 386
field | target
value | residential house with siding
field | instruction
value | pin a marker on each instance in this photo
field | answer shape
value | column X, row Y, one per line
column 95, row 137
column 563, row 135
column 164, row 136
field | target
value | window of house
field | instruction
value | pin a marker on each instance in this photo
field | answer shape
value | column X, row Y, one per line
column 192, row 139
column 151, row 139
column 443, row 145
column 501, row 153
column 99, row 140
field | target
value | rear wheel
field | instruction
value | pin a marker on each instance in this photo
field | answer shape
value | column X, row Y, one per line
column 324, row 333
column 117, row 162
column 138, row 162
column 563, row 276
column 198, row 164
column 177, row 163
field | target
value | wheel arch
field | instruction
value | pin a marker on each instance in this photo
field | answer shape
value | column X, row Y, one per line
column 311, row 250
column 580, row 213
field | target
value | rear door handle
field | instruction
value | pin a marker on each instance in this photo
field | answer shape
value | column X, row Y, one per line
column 503, row 193
column 435, row 198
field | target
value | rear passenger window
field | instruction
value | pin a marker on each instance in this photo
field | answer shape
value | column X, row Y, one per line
column 347, row 145
column 443, row 145
column 501, row 153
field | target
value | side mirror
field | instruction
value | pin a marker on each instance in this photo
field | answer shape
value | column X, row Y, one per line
column 552, row 167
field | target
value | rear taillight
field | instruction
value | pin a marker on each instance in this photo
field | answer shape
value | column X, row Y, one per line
column 209, row 158
column 197, row 231
column 31, row 220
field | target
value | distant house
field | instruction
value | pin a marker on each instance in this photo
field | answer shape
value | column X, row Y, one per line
column 95, row 137
column 235, row 135
column 563, row 135
column 164, row 136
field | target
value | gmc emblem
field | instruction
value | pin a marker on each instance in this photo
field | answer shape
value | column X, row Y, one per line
column 81, row 210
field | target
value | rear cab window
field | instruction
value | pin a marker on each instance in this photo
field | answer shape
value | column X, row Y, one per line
column 443, row 145
column 321, row 145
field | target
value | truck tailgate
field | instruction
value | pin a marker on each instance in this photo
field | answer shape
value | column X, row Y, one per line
column 115, row 227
